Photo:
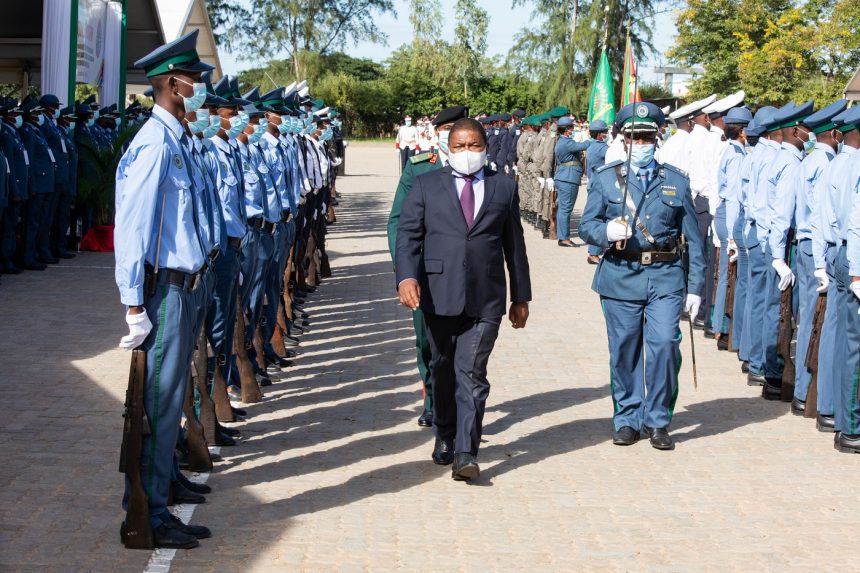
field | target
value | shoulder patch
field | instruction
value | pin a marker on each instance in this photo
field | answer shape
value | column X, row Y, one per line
column 672, row 168
column 609, row 165
column 415, row 159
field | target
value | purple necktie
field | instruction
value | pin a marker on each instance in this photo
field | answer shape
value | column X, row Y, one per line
column 467, row 201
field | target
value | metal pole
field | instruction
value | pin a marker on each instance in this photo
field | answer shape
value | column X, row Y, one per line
column 73, row 53
column 122, row 64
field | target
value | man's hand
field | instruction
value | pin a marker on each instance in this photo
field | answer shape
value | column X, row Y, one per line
column 692, row 304
column 732, row 250
column 410, row 294
column 786, row 277
column 855, row 288
column 823, row 280
column 618, row 230
column 139, row 327
column 519, row 314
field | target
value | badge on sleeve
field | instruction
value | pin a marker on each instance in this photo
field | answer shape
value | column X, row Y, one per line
column 177, row 161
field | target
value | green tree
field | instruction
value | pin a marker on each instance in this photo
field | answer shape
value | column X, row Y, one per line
column 249, row 28
column 470, row 41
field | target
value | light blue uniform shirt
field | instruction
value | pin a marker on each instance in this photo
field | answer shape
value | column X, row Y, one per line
column 793, row 207
column 153, row 178
column 758, row 212
column 729, row 182
column 781, row 178
column 853, row 226
column 745, row 191
column 227, row 180
column 834, row 189
column 215, row 220
column 253, row 186
column 295, row 168
column 271, row 199
column 273, row 154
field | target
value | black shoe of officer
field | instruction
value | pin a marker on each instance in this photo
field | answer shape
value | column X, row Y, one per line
column 625, row 436
column 290, row 342
column 847, row 443
column 772, row 389
column 196, row 531
column 223, row 440
column 723, row 343
column 699, row 324
column 825, row 423
column 710, row 333
column 233, row 432
column 425, row 420
column 183, row 495
column 754, row 379
column 66, row 255
column 443, row 452
column 798, row 407
column 660, row 438
column 745, row 367
column 49, row 260
column 201, row 488
column 167, row 536
column 465, row 467
column 35, row 266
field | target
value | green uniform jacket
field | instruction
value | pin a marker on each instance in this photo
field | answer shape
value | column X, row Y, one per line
column 417, row 165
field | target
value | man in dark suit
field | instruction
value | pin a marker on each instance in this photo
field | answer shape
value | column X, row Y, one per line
column 458, row 227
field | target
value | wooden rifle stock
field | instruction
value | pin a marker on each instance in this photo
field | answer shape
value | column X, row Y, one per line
column 786, row 332
column 250, row 389
column 731, row 284
column 137, row 531
column 200, row 377
column 811, row 409
column 198, row 449
column 223, row 411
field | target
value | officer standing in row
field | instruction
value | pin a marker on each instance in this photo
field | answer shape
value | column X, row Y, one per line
column 41, row 187
column 567, row 177
column 159, row 257
column 406, row 142
column 595, row 158
column 18, row 180
column 66, row 125
column 641, row 278
column 51, row 131
column 416, row 166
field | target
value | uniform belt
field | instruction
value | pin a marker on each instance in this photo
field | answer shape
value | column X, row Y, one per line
column 646, row 257
column 268, row 227
column 235, row 242
column 186, row 281
column 570, row 164
column 256, row 222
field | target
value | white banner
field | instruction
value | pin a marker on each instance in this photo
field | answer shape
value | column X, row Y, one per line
column 92, row 15
column 55, row 48
column 109, row 91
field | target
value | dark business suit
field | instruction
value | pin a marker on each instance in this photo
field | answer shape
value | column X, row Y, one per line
column 461, row 273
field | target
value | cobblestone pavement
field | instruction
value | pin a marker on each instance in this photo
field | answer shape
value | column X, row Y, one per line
column 333, row 474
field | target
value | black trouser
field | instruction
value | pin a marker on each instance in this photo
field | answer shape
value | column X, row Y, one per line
column 461, row 347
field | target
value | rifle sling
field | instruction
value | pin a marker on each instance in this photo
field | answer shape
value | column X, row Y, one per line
column 632, row 208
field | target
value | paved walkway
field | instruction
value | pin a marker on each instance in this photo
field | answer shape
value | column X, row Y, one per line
column 334, row 475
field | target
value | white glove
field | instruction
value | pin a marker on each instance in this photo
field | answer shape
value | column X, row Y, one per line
column 714, row 237
column 345, row 144
column 732, row 250
column 786, row 277
column 823, row 280
column 139, row 327
column 541, row 182
column 336, row 161
column 397, row 151
column 508, row 169
column 691, row 306
column 855, row 288
column 550, row 184
column 493, row 166
column 618, row 231
column 516, row 171
column 241, row 278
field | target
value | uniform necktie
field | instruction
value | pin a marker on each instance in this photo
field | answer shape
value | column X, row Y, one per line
column 467, row 200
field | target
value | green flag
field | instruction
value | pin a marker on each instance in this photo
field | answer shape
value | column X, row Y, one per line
column 602, row 102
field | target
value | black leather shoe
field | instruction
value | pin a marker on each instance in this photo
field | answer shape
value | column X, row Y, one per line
column 798, row 407
column 425, row 420
column 465, row 467
column 279, row 361
column 723, row 343
column 183, row 495
column 193, row 486
column 660, row 438
column 224, row 440
column 625, row 436
column 239, row 411
column 824, row 423
column 745, row 367
column 291, row 342
column 847, row 443
column 710, row 333
column 443, row 452
column 8, row 268
column 66, row 255
column 754, row 379
column 49, row 260
column 568, row 243
column 196, row 531
column 34, row 266
column 265, row 380
column 699, row 324
column 233, row 432
column 772, row 389
column 168, row 536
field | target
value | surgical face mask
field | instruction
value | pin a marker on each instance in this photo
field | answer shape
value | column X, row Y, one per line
column 246, row 119
column 641, row 154
column 198, row 96
column 236, row 127
column 809, row 144
column 408, row 122
column 19, row 121
column 336, row 123
column 71, row 126
column 327, row 134
column 255, row 137
column 839, row 146
column 468, row 162
column 443, row 141
column 96, row 115
column 56, row 114
column 214, row 126
column 40, row 119
column 284, row 126
column 264, row 123
column 201, row 123
column 91, row 122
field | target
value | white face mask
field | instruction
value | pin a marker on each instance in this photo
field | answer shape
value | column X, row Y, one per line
column 468, row 162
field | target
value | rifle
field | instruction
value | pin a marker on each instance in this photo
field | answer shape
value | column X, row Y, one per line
column 250, row 389
column 137, row 531
column 811, row 409
column 714, row 326
column 198, row 449
column 200, row 376
column 685, row 264
column 786, row 332
column 731, row 283
column 223, row 410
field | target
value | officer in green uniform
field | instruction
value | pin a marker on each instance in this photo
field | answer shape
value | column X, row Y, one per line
column 416, row 166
